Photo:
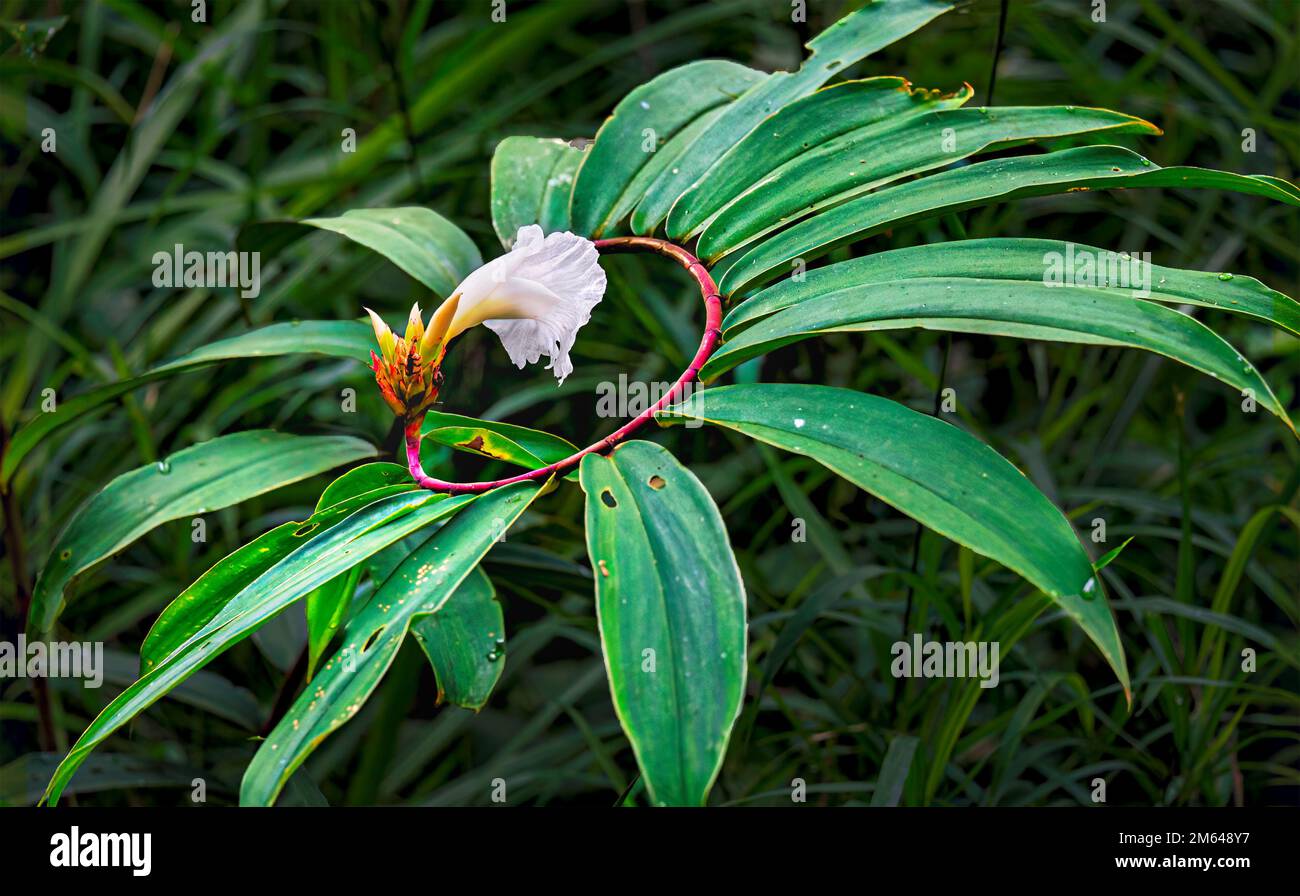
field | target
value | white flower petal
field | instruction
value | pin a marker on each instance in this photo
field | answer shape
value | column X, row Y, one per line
column 535, row 297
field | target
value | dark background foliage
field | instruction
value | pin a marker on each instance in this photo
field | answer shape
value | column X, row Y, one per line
column 1153, row 449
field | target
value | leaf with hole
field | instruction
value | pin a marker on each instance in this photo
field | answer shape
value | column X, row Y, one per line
column 670, row 605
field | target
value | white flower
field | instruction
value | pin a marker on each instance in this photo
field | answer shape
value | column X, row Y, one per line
column 535, row 297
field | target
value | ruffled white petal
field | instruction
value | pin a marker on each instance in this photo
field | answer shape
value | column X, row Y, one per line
column 535, row 297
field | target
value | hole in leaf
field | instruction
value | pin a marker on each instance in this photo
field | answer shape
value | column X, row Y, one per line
column 656, row 482
column 607, row 498
column 65, row 554
column 305, row 530
column 373, row 636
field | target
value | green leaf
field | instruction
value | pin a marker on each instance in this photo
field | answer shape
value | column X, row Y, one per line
column 668, row 156
column 935, row 473
column 849, row 40
column 519, row 445
column 1005, row 308
column 197, row 480
column 521, row 169
column 318, row 560
column 196, row 606
column 893, row 771
column 881, row 153
column 421, row 584
column 1107, row 558
column 341, row 338
column 325, row 609
column 559, row 191
column 418, row 240
column 1028, row 261
column 22, row 780
column 794, row 130
column 670, row 605
column 465, row 643
column 655, row 111
column 997, row 180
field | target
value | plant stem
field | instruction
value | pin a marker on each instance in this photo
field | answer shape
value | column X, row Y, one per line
column 22, row 590
column 709, row 342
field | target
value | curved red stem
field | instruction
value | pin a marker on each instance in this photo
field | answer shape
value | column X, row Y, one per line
column 712, row 333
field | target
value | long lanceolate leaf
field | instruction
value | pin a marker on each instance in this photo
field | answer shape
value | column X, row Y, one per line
column 206, row 477
column 418, row 240
column 671, row 609
column 848, row 41
column 642, row 122
column 1029, row 261
column 1006, row 308
column 341, row 338
column 1086, row 168
column 797, row 129
column 196, row 606
column 886, row 151
column 932, row 471
column 421, row 585
column 320, row 559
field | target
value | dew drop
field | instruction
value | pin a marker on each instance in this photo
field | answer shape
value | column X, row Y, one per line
column 1225, row 276
column 799, row 422
column 164, row 467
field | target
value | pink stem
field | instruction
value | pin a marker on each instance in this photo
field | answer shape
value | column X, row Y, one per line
column 712, row 333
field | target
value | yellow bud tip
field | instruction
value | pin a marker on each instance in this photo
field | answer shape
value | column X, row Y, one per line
column 436, row 335
column 383, row 335
column 414, row 324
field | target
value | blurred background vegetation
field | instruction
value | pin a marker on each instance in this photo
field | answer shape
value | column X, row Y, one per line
column 174, row 131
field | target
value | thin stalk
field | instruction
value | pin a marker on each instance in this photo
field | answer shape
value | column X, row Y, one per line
column 16, row 550
column 709, row 342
